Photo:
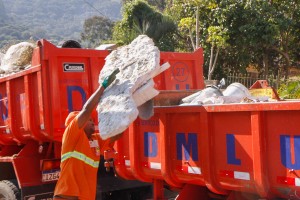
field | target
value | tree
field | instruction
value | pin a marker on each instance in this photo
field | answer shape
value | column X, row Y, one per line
column 284, row 18
column 263, row 33
column 96, row 29
column 182, row 13
column 217, row 37
column 141, row 18
column 250, row 32
column 159, row 4
column 208, row 32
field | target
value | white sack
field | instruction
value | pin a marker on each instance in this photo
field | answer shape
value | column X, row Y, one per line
column 236, row 89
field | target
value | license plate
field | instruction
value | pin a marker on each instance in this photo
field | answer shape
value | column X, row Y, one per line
column 50, row 175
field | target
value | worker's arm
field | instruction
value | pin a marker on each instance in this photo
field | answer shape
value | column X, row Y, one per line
column 89, row 106
column 93, row 101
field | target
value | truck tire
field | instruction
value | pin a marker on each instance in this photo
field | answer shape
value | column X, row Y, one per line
column 9, row 190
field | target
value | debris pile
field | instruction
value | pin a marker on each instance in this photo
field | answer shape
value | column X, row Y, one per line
column 234, row 93
column 17, row 58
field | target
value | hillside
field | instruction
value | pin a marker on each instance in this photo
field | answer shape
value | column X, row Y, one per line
column 54, row 20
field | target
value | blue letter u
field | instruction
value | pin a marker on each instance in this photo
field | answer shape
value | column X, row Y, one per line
column 286, row 151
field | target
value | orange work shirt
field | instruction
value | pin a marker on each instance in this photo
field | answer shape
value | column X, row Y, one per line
column 79, row 163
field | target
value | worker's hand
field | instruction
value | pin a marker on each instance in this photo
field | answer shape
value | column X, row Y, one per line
column 108, row 80
column 115, row 138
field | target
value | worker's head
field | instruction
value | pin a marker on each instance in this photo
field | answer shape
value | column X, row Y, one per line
column 70, row 117
column 89, row 127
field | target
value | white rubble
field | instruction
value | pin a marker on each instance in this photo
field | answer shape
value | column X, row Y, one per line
column 234, row 93
column 202, row 98
column 144, row 93
column 17, row 57
column 1, row 57
column 237, row 90
column 139, row 64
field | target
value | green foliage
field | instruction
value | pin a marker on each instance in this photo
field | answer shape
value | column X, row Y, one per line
column 217, row 36
column 159, row 4
column 53, row 20
column 260, row 33
column 122, row 33
column 264, row 34
column 11, row 35
column 141, row 18
column 289, row 90
column 96, row 30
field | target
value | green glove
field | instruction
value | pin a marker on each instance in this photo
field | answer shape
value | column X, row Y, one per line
column 108, row 80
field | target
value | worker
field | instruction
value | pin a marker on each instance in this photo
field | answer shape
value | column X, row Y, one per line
column 81, row 150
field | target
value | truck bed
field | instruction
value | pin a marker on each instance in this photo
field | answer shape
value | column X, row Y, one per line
column 35, row 102
column 248, row 147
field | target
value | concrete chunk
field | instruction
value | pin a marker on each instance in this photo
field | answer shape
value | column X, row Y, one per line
column 138, row 63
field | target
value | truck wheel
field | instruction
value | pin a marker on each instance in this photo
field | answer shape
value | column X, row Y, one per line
column 8, row 190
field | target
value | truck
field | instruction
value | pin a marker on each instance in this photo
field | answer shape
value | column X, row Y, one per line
column 238, row 151
column 34, row 103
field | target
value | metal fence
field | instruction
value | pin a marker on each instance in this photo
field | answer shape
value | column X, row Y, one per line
column 248, row 79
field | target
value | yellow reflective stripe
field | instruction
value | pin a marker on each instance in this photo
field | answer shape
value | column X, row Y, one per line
column 80, row 156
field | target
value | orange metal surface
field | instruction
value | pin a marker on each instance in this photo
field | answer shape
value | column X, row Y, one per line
column 35, row 102
column 185, row 72
column 250, row 148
